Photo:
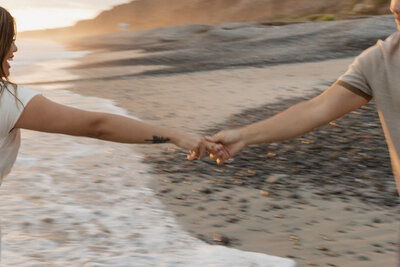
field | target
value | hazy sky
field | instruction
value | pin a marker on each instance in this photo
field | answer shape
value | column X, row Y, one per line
column 41, row 14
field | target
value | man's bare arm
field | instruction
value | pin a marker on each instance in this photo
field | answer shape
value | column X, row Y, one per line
column 293, row 122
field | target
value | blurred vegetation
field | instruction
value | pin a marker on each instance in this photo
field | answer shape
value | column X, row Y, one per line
column 340, row 10
column 381, row 3
column 321, row 17
column 370, row 7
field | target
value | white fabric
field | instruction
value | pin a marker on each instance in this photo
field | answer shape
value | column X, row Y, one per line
column 10, row 138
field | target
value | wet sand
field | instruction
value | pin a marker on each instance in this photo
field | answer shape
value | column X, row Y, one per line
column 246, row 204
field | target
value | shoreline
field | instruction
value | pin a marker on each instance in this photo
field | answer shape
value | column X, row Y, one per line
column 327, row 198
column 221, row 210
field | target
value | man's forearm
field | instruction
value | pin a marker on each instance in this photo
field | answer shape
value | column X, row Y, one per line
column 291, row 123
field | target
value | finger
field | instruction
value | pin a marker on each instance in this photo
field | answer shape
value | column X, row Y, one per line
column 192, row 155
column 216, row 138
column 209, row 139
column 227, row 153
column 196, row 152
column 212, row 148
column 223, row 154
column 217, row 151
column 201, row 151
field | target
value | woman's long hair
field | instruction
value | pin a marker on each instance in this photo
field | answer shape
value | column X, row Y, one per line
column 7, row 35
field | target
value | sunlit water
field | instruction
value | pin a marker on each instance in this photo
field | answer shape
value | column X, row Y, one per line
column 42, row 14
column 81, row 202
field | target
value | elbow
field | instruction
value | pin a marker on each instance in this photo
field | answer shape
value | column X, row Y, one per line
column 96, row 128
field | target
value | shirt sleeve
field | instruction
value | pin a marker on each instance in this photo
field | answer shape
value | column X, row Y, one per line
column 12, row 104
column 360, row 71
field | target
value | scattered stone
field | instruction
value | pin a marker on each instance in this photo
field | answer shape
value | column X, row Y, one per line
column 274, row 178
column 295, row 196
column 206, row 191
column 222, row 239
column 294, row 238
column 290, row 256
column 331, row 254
column 48, row 220
column 377, row 220
column 363, row 258
column 165, row 190
column 322, row 248
column 232, row 220
column 274, row 206
column 328, row 238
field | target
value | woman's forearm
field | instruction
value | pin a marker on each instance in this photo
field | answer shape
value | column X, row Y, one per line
column 122, row 129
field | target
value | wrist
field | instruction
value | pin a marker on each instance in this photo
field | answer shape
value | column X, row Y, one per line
column 243, row 136
column 174, row 137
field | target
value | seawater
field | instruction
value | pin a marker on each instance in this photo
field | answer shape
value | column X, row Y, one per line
column 73, row 201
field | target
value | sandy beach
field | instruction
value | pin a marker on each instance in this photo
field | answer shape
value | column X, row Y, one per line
column 324, row 199
column 292, row 220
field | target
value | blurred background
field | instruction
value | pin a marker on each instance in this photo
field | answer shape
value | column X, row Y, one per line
column 145, row 14
column 324, row 199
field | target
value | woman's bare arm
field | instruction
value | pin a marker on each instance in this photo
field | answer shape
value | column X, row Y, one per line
column 43, row 115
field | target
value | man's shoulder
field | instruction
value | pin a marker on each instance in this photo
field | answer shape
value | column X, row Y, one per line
column 393, row 38
column 376, row 52
column 390, row 43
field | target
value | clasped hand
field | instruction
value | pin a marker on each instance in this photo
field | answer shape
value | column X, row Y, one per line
column 220, row 146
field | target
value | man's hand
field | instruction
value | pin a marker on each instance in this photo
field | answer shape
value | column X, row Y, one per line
column 232, row 142
column 197, row 145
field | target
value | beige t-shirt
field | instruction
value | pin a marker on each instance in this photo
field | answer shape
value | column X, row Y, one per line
column 10, row 138
column 376, row 74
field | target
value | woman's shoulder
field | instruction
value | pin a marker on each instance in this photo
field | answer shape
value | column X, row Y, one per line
column 16, row 94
